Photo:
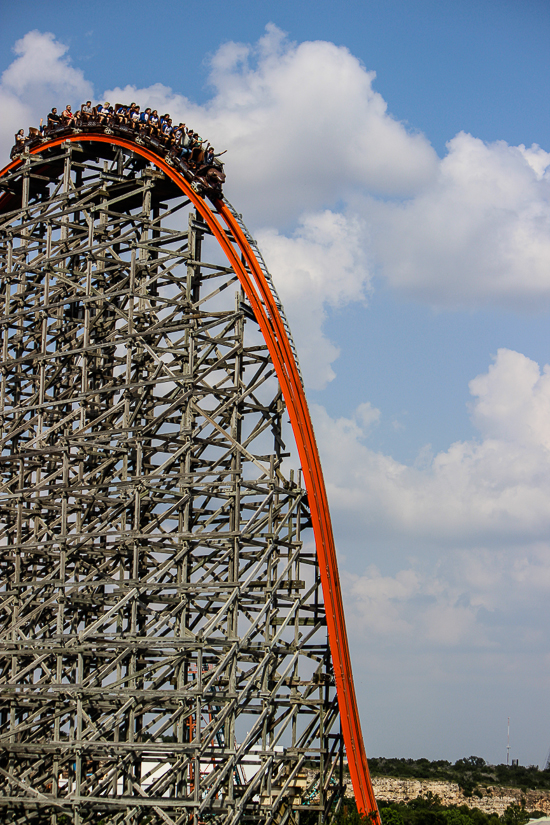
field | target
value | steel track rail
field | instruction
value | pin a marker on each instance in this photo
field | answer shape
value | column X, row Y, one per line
column 244, row 256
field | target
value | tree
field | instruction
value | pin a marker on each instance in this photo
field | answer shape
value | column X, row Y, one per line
column 391, row 816
column 515, row 815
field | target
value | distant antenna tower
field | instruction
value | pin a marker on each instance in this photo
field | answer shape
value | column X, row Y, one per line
column 508, row 745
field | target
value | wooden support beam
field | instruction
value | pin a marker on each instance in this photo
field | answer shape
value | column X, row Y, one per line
column 163, row 643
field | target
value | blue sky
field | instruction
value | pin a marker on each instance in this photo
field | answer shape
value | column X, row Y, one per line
column 406, row 219
column 442, row 66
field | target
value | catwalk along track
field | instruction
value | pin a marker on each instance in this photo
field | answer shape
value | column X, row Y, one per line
column 172, row 648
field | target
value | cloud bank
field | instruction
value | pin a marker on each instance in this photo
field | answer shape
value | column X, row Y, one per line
column 477, row 235
column 468, row 533
column 323, row 175
column 497, row 486
column 450, row 554
column 337, row 190
column 41, row 76
column 296, row 141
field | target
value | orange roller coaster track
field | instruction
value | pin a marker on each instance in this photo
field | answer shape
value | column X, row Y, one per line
column 232, row 238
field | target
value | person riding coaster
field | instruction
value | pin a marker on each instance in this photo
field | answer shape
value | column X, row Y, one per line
column 212, row 177
column 183, row 148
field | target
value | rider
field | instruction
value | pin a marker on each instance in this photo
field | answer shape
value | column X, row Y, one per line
column 134, row 115
column 54, row 119
column 104, row 111
column 154, row 122
column 121, row 114
column 86, row 111
column 67, row 115
column 144, row 120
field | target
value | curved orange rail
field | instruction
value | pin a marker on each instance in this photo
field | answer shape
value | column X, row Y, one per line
column 267, row 315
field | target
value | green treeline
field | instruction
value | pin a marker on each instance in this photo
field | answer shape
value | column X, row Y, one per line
column 428, row 810
column 469, row 773
column 472, row 774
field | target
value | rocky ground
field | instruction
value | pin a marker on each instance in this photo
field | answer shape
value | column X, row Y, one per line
column 490, row 799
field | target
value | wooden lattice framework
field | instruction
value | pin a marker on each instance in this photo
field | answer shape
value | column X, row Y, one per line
column 163, row 641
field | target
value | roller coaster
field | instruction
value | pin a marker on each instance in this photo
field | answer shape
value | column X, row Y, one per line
column 172, row 638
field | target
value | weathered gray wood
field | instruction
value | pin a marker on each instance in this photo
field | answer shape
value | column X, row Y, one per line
column 162, row 623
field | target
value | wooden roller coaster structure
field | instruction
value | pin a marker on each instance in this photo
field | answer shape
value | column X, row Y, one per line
column 172, row 646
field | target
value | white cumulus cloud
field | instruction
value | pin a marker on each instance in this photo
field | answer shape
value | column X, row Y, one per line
column 303, row 126
column 41, row 76
column 477, row 235
column 306, row 131
column 321, row 265
column 42, row 66
column 454, row 551
column 496, row 488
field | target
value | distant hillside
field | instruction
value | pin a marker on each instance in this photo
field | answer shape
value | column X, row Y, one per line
column 468, row 773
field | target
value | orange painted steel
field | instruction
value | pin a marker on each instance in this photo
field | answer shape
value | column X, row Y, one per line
column 269, row 320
